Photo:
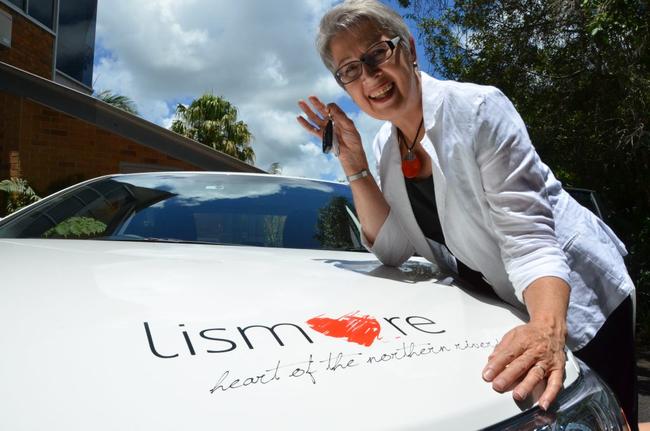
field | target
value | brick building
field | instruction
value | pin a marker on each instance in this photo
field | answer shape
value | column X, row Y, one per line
column 31, row 43
column 52, row 131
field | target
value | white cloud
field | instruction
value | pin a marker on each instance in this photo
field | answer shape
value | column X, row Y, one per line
column 259, row 55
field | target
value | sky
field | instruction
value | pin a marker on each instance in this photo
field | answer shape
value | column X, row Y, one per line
column 257, row 54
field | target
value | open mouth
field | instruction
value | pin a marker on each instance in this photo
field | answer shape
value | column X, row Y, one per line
column 382, row 93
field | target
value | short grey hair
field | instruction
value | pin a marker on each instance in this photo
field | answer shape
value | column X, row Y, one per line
column 350, row 14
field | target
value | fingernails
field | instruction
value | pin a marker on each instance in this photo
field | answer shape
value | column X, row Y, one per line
column 519, row 395
column 498, row 385
column 543, row 404
column 488, row 374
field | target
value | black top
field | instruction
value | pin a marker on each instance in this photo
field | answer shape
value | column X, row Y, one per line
column 422, row 196
column 423, row 201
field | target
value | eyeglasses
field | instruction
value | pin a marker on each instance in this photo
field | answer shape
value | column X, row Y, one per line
column 377, row 54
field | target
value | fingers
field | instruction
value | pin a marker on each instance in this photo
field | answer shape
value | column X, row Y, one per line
column 320, row 106
column 346, row 143
column 512, row 373
column 535, row 374
column 524, row 358
column 553, row 387
column 316, row 120
column 339, row 116
column 314, row 130
column 504, row 353
column 318, row 114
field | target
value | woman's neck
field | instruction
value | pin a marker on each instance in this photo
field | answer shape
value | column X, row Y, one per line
column 409, row 121
column 409, row 125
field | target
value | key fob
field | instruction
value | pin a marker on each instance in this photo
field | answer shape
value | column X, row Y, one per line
column 328, row 137
column 330, row 143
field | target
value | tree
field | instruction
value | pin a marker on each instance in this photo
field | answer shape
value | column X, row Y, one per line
column 19, row 194
column 333, row 227
column 117, row 100
column 275, row 168
column 77, row 227
column 212, row 121
column 579, row 74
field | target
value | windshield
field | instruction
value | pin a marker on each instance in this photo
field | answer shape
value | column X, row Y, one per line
column 259, row 210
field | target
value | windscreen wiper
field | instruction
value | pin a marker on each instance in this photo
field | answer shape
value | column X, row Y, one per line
column 138, row 238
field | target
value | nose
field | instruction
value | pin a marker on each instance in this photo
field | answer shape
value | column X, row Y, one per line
column 369, row 71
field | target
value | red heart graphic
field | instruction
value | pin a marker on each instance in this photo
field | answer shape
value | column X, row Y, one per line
column 357, row 329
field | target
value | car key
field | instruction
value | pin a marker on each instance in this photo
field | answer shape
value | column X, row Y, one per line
column 329, row 140
column 328, row 134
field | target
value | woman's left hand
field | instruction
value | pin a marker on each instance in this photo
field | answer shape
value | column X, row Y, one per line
column 527, row 355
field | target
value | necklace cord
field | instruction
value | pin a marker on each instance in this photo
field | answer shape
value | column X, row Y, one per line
column 410, row 148
column 411, row 164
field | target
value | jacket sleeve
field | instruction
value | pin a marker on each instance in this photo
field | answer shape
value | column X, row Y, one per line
column 514, row 180
column 391, row 245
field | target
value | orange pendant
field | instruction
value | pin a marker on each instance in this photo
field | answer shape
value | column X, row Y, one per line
column 411, row 165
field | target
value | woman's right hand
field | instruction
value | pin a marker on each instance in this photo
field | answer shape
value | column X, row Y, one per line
column 371, row 206
column 351, row 154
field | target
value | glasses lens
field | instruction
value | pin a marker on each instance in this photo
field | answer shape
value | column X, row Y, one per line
column 349, row 72
column 378, row 54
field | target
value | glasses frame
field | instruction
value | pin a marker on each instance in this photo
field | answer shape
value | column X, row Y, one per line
column 392, row 44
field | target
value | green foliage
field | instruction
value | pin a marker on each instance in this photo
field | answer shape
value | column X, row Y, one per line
column 579, row 74
column 18, row 194
column 117, row 100
column 212, row 121
column 640, row 250
column 76, row 227
column 333, row 227
column 273, row 230
column 275, row 168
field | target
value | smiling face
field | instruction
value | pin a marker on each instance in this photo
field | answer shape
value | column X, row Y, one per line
column 390, row 91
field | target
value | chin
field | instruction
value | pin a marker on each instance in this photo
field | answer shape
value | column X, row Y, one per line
column 387, row 113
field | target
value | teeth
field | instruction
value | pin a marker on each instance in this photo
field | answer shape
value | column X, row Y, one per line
column 382, row 91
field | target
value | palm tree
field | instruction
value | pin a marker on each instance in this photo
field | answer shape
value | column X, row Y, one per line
column 19, row 194
column 212, row 121
column 275, row 168
column 117, row 100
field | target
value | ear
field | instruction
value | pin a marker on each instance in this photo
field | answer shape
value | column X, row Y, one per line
column 414, row 54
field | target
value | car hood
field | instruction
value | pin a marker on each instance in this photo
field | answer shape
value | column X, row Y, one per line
column 126, row 335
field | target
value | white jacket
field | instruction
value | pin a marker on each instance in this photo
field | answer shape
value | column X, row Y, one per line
column 502, row 211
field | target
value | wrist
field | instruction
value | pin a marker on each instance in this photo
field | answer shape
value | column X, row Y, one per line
column 363, row 173
column 354, row 169
column 547, row 301
column 556, row 324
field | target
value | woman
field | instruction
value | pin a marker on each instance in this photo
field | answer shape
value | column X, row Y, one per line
column 458, row 174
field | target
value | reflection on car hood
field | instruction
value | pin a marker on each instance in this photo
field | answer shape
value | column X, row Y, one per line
column 115, row 335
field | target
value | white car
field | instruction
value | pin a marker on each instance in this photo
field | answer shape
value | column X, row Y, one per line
column 201, row 301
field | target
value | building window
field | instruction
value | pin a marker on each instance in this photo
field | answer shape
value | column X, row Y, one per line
column 41, row 10
column 19, row 3
column 76, row 39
